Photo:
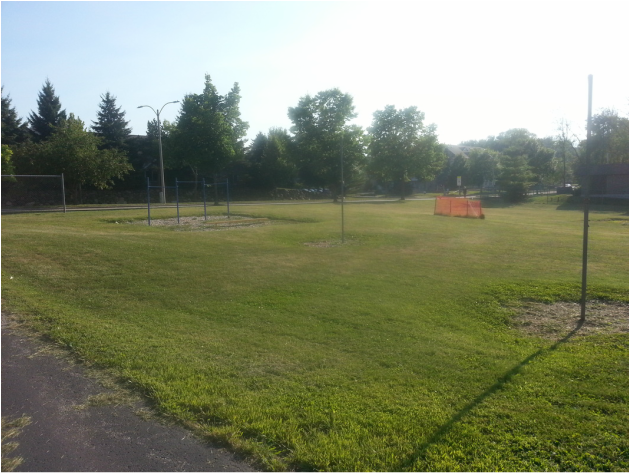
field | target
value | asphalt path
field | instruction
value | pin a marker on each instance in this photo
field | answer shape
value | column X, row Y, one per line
column 67, row 433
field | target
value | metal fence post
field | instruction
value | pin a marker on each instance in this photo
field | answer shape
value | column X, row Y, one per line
column 205, row 215
column 149, row 199
column 227, row 195
column 177, row 199
column 63, row 193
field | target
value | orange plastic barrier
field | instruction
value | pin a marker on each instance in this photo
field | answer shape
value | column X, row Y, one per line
column 458, row 207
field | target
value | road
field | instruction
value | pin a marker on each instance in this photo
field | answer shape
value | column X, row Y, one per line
column 67, row 432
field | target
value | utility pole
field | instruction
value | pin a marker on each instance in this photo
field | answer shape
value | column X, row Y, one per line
column 586, row 190
column 343, row 237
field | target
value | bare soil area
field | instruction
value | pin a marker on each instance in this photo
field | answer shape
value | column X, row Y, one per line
column 553, row 320
column 212, row 223
column 323, row 244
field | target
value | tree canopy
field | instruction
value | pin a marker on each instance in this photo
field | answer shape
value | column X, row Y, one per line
column 402, row 147
column 77, row 153
column 609, row 138
column 270, row 160
column 230, row 105
column 49, row 114
column 520, row 142
column 204, row 137
column 7, row 160
column 207, row 139
column 321, row 134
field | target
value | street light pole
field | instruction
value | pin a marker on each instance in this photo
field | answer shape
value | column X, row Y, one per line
column 163, row 187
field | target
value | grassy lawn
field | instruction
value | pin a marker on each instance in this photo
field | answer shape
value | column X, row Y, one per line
column 394, row 351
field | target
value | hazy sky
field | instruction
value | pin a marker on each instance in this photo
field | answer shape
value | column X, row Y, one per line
column 474, row 68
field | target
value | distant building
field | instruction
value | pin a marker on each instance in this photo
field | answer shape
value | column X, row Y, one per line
column 607, row 180
column 452, row 151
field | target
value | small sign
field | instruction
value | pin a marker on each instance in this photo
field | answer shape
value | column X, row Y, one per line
column 459, row 181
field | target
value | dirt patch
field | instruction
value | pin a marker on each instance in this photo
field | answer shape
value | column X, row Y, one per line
column 323, row 244
column 212, row 223
column 558, row 319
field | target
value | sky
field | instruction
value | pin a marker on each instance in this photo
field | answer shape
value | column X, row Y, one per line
column 474, row 68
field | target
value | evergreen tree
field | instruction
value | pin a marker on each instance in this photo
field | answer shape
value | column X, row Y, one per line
column 256, row 150
column 49, row 113
column 515, row 176
column 111, row 125
column 13, row 130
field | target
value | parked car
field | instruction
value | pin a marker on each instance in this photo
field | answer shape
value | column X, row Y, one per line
column 566, row 189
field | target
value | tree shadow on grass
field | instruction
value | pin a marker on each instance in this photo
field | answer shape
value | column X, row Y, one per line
column 440, row 433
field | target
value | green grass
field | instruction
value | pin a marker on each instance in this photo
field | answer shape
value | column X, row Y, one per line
column 391, row 352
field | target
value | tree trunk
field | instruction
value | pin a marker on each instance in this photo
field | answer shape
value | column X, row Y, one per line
column 78, row 194
column 402, row 188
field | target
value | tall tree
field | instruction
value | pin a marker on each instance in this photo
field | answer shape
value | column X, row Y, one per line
column 402, row 147
column 111, row 125
column 321, row 135
column 204, row 137
column 49, row 113
column 230, row 105
column 13, row 130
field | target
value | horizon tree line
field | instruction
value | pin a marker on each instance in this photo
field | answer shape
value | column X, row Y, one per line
column 207, row 139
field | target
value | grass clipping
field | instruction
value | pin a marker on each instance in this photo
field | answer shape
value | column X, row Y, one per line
column 10, row 430
column 555, row 320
